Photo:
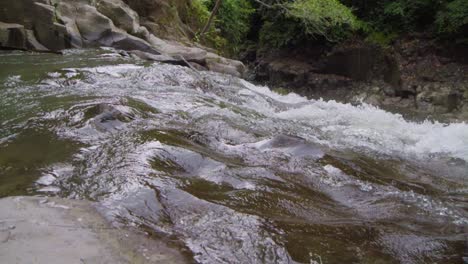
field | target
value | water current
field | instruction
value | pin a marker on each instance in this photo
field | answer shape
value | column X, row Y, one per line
column 228, row 171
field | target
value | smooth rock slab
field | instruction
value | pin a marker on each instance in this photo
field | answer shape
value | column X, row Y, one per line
column 51, row 230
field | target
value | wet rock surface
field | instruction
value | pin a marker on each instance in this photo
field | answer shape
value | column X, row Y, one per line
column 53, row 230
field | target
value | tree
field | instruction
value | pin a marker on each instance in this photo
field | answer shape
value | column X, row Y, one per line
column 212, row 16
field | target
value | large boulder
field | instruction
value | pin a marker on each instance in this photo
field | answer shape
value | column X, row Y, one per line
column 60, row 24
column 48, row 30
column 32, row 43
column 222, row 65
column 121, row 14
column 198, row 56
column 165, row 18
column 19, row 11
column 12, row 36
column 159, row 58
column 15, row 36
column 92, row 25
column 191, row 54
column 96, row 29
column 68, row 13
column 122, row 40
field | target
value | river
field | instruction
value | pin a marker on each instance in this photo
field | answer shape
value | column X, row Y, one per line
column 231, row 172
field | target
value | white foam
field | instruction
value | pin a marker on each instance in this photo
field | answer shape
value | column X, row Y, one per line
column 349, row 126
column 291, row 98
column 112, row 70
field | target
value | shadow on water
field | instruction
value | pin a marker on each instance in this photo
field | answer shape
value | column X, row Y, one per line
column 24, row 157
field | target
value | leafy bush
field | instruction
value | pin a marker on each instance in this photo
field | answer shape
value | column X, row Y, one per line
column 280, row 23
column 453, row 19
column 409, row 15
column 199, row 12
column 233, row 20
column 290, row 22
column 280, row 33
column 328, row 18
column 380, row 38
column 231, row 24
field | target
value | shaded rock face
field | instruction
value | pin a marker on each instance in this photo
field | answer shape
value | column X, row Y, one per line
column 356, row 63
column 12, row 36
column 15, row 36
column 406, row 77
column 164, row 17
column 58, row 25
column 55, row 25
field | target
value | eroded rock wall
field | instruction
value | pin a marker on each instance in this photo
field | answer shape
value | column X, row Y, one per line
column 61, row 24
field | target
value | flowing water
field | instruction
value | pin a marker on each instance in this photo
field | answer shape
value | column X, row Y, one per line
column 230, row 172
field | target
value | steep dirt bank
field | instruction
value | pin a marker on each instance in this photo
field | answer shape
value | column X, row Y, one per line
column 52, row 25
column 415, row 75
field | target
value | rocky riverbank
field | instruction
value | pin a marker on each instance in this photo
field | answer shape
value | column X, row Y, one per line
column 52, row 25
column 414, row 76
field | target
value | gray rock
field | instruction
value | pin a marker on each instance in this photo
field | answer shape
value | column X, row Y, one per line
column 453, row 101
column 124, row 41
column 92, row 25
column 222, row 65
column 99, row 30
column 223, row 68
column 48, row 31
column 160, row 58
column 12, row 36
column 54, row 231
column 190, row 54
column 197, row 66
column 61, row 24
column 121, row 14
column 32, row 43
column 16, row 12
column 67, row 12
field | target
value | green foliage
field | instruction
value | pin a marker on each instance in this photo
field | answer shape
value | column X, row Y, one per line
column 328, row 18
column 282, row 23
column 290, row 22
column 281, row 91
column 453, row 19
column 441, row 18
column 380, row 38
column 408, row 15
column 280, row 33
column 199, row 12
column 233, row 19
column 231, row 24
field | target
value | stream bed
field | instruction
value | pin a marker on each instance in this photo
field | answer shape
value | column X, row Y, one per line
column 230, row 172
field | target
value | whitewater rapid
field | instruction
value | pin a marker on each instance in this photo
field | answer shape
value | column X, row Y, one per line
column 233, row 171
